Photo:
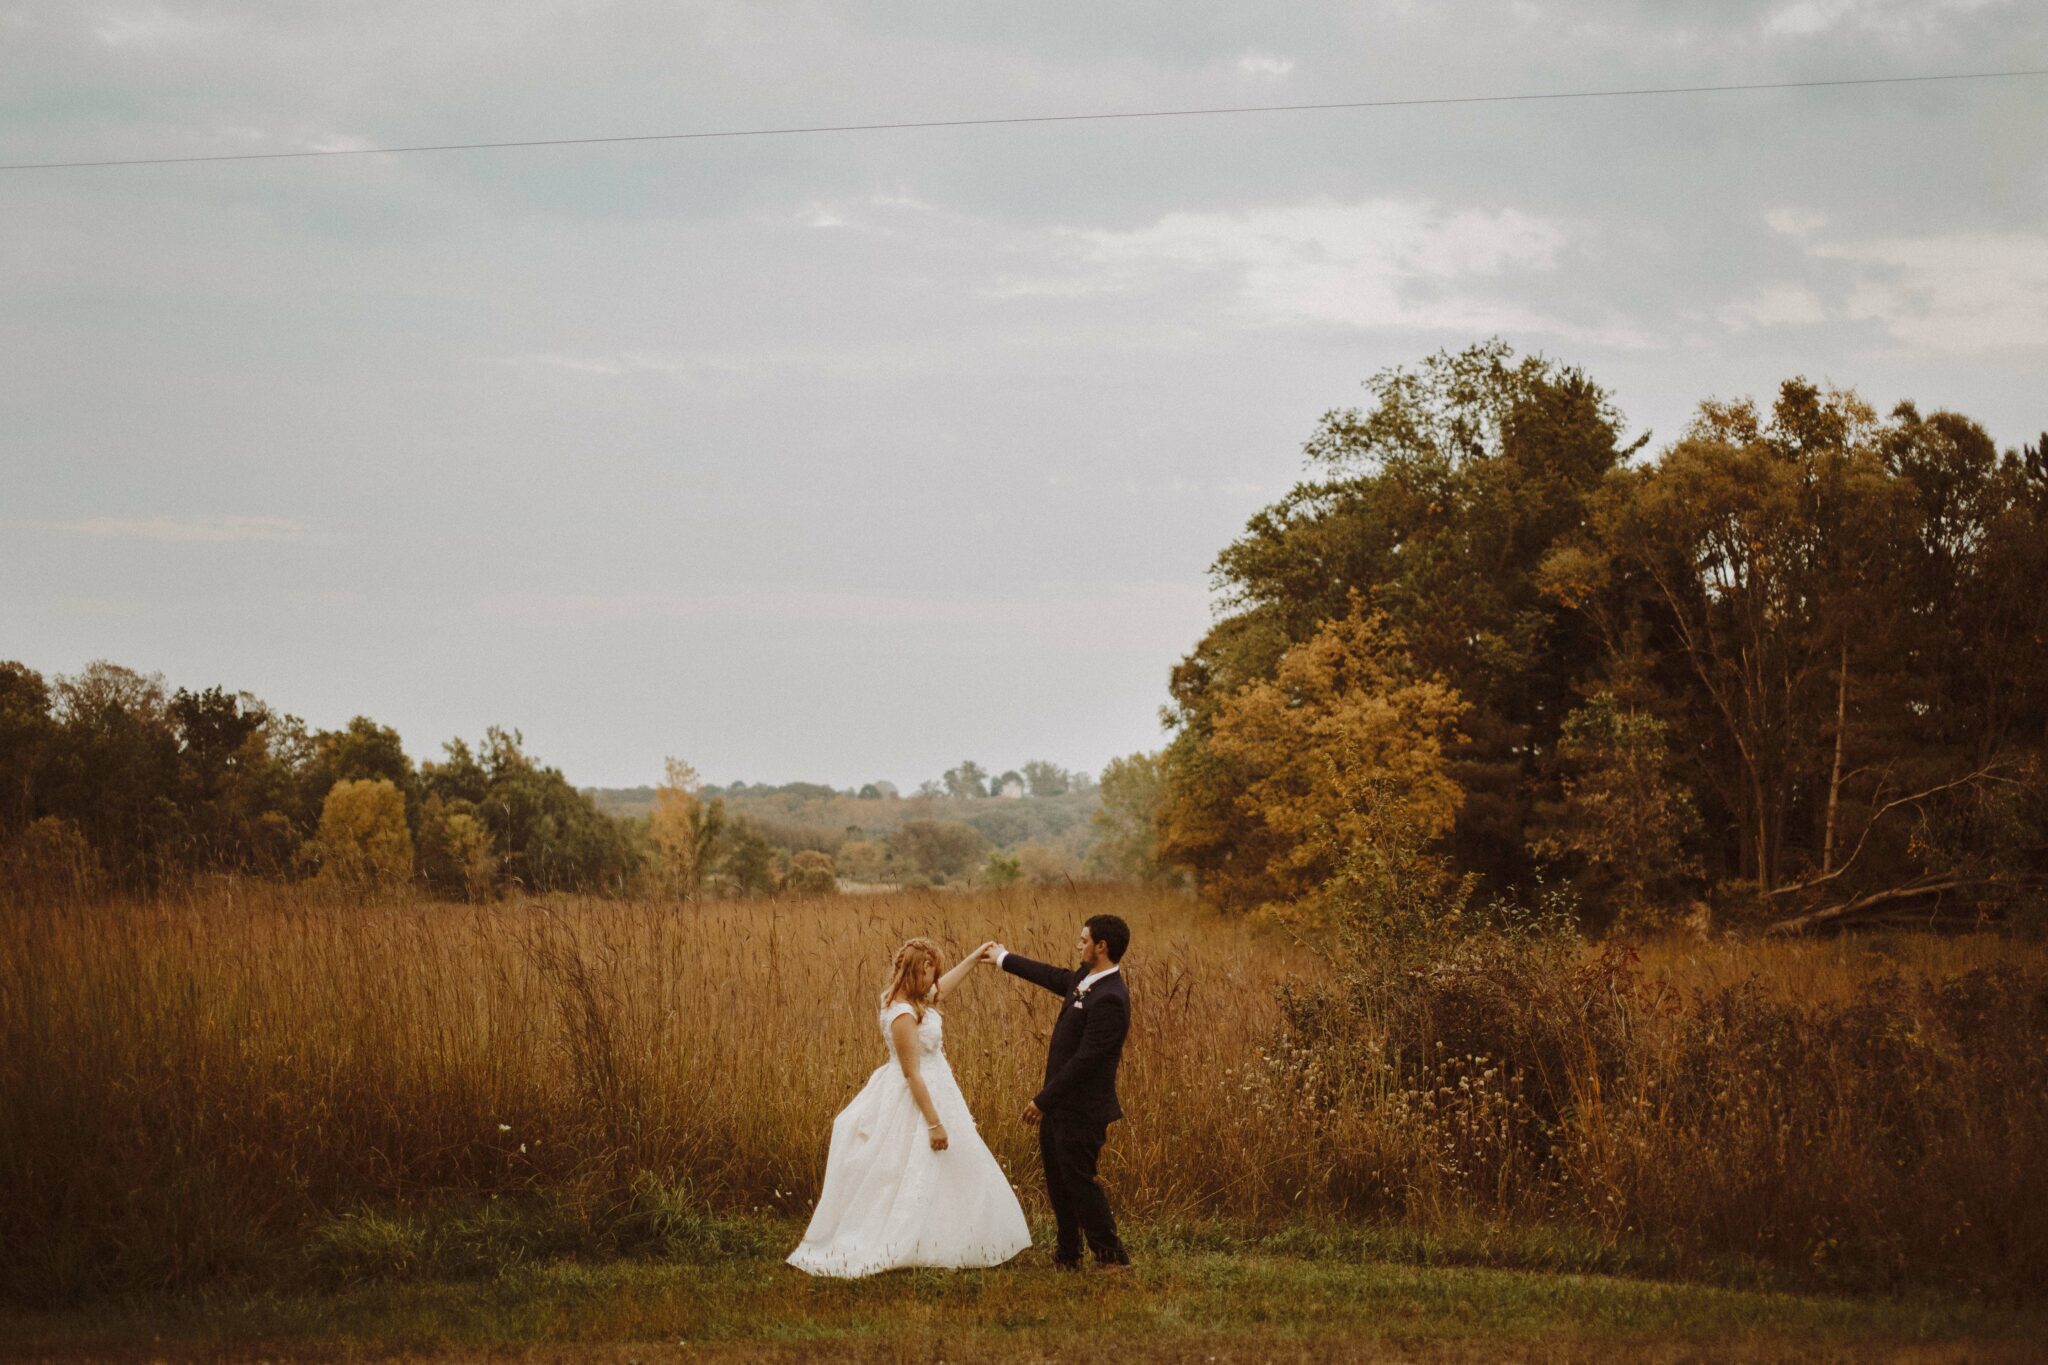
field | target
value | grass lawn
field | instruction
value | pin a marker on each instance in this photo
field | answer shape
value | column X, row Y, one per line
column 1178, row 1305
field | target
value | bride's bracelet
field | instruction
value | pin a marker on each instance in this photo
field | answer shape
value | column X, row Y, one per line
column 929, row 1126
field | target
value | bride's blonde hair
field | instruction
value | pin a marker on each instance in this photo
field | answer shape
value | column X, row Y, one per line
column 903, row 974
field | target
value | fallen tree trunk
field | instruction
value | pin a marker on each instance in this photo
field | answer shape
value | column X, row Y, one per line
column 1887, row 905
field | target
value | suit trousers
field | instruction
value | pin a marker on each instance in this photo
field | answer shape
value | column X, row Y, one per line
column 1069, row 1144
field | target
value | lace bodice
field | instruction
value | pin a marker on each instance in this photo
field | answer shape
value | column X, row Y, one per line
column 930, row 1033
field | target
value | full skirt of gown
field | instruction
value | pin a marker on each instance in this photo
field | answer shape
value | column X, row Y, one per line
column 889, row 1200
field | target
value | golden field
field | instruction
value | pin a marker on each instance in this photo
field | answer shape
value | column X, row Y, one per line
column 191, row 1087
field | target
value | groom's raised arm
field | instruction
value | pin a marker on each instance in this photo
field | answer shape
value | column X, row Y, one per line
column 1058, row 980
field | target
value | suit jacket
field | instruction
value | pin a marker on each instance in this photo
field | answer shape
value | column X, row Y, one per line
column 1087, row 1040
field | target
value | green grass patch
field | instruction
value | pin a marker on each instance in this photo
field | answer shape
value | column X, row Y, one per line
column 1321, row 1299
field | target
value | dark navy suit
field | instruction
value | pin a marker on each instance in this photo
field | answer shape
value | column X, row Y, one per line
column 1079, row 1103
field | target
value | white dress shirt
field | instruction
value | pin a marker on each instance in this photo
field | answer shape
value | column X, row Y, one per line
column 1094, row 977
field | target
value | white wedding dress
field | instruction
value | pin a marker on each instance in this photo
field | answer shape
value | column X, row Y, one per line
column 889, row 1200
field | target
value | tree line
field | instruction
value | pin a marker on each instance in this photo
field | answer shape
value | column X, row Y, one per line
column 1796, row 665
column 110, row 782
column 113, row 782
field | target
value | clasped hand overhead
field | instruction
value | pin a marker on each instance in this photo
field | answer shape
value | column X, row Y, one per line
column 989, row 952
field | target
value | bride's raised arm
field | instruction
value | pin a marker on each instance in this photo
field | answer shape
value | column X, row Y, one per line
column 960, row 970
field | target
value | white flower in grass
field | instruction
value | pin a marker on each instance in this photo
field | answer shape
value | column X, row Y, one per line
column 504, row 1127
column 522, row 1149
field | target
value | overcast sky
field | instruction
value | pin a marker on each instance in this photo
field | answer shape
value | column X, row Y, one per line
column 848, row 456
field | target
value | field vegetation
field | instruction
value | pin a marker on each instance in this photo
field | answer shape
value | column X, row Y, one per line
column 258, row 1081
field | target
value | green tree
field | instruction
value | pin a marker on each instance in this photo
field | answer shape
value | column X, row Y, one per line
column 229, row 779
column 1622, row 821
column 1045, row 779
column 361, row 749
column 938, row 848
column 113, row 773
column 1126, row 824
column 548, row 835
column 864, row 860
column 684, row 828
column 969, row 779
column 746, row 862
column 363, row 842
column 1438, row 502
column 28, row 737
column 459, row 777
column 1347, row 723
column 1741, row 543
column 1838, row 618
column 1047, row 866
column 102, row 684
column 455, row 854
column 811, row 873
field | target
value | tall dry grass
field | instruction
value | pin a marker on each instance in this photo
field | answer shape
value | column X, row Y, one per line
column 186, row 1085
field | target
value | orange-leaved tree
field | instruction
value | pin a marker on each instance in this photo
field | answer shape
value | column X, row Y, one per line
column 684, row 828
column 1346, row 739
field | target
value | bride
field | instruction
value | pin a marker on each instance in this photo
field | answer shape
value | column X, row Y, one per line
column 908, row 1180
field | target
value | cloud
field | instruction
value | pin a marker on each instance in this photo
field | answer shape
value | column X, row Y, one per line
column 574, row 364
column 1390, row 262
column 1947, row 292
column 190, row 529
column 1954, row 292
column 1777, row 305
column 862, row 211
column 1795, row 222
column 1263, row 64
column 1894, row 19
column 339, row 142
column 144, row 27
column 1804, row 17
column 712, row 366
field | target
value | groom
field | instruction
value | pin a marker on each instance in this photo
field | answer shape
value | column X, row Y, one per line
column 1074, row 1110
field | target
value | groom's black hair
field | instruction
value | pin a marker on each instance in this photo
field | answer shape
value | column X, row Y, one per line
column 1111, row 931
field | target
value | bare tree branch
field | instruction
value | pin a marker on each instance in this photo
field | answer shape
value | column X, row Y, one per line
column 1986, row 773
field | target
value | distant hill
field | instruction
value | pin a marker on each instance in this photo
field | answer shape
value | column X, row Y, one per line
column 801, row 815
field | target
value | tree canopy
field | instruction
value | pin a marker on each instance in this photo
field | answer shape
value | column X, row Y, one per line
column 1799, row 649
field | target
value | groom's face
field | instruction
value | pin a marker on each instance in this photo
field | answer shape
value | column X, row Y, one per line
column 1086, row 947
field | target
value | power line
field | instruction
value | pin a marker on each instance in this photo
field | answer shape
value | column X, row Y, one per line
column 1038, row 118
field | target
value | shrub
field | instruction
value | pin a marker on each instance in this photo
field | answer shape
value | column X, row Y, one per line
column 363, row 841
column 51, row 861
column 811, row 873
